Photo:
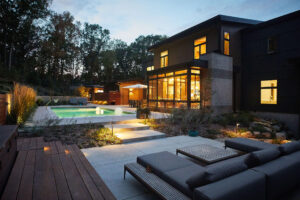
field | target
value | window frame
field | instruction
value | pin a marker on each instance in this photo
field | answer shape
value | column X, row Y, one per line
column 226, row 40
column 269, row 87
column 199, row 46
column 164, row 59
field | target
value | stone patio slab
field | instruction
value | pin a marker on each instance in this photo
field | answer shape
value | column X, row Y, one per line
column 109, row 162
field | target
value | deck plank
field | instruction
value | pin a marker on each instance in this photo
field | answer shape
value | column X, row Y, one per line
column 87, row 179
column 53, row 148
column 44, row 183
column 76, row 184
column 62, row 188
column 25, row 144
column 26, row 185
column 60, row 147
column 32, row 144
column 12, row 186
column 93, row 173
column 40, row 142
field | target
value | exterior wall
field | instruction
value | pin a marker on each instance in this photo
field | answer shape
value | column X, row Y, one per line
column 282, row 65
column 182, row 50
column 136, row 94
column 219, row 76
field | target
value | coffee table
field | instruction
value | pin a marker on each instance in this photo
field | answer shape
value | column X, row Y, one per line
column 206, row 153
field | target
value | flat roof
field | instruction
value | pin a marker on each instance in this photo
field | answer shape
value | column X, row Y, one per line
column 207, row 23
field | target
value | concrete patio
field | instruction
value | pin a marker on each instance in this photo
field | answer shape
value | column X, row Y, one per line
column 109, row 162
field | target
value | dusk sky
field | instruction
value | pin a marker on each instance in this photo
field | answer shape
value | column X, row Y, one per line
column 127, row 19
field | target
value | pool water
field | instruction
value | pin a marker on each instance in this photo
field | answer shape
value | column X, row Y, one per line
column 71, row 112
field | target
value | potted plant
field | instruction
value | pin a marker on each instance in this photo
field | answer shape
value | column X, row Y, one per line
column 142, row 113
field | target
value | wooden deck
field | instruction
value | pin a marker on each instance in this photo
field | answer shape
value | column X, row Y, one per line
column 51, row 170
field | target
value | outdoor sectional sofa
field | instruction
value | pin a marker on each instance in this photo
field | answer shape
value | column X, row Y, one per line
column 267, row 174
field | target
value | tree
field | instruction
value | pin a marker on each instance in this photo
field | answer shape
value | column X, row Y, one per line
column 94, row 40
column 19, row 21
column 140, row 54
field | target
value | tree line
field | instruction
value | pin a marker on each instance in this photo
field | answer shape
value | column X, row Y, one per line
column 43, row 48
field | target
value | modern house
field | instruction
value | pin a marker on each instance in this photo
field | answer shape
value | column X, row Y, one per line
column 230, row 64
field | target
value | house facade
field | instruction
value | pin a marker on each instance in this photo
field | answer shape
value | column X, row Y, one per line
column 229, row 64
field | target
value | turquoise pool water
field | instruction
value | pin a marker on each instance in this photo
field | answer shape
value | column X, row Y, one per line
column 71, row 112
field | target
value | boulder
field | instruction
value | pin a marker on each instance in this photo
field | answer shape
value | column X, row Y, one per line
column 268, row 129
column 256, row 133
column 281, row 135
column 267, row 134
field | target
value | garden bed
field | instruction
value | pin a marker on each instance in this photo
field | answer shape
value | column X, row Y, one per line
column 84, row 136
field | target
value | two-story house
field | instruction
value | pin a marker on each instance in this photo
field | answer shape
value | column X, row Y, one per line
column 194, row 68
column 231, row 64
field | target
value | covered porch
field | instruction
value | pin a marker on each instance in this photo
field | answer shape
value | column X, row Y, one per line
column 177, row 86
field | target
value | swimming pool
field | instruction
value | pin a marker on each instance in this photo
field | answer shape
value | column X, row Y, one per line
column 72, row 112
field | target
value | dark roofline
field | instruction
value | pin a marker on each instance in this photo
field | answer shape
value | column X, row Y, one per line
column 273, row 21
column 216, row 19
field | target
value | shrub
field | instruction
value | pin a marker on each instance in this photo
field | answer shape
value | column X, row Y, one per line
column 82, row 91
column 189, row 119
column 23, row 103
column 105, row 135
column 40, row 102
column 244, row 118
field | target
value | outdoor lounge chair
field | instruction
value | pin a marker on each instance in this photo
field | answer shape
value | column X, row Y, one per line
column 268, row 174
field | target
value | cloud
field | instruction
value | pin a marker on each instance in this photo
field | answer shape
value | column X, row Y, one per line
column 127, row 19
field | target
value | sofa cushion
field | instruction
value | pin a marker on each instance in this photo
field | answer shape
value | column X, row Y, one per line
column 289, row 147
column 247, row 185
column 282, row 174
column 260, row 157
column 197, row 180
column 163, row 161
column 294, row 156
column 178, row 177
column 224, row 169
column 247, row 145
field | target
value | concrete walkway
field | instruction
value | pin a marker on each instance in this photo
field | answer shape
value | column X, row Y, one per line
column 109, row 162
column 134, row 132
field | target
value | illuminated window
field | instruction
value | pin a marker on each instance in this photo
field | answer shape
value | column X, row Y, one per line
column 268, row 92
column 226, row 43
column 181, row 72
column 164, row 59
column 195, row 87
column 199, row 47
column 272, row 45
column 100, row 91
column 150, row 68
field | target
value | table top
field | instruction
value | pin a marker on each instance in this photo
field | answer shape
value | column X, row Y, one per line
column 207, row 153
column 6, row 132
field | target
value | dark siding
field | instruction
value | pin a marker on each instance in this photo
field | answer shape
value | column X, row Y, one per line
column 282, row 65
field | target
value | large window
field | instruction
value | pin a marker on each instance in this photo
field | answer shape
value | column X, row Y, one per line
column 226, row 43
column 181, row 88
column 164, row 59
column 195, row 87
column 268, row 92
column 199, row 47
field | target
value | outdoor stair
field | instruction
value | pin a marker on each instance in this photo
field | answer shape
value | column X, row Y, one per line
column 134, row 132
column 118, row 128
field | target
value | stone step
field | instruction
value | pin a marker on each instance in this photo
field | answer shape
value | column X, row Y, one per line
column 139, row 135
column 118, row 128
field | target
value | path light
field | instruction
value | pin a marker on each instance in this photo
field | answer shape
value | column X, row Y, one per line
column 99, row 111
column 237, row 128
column 118, row 111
